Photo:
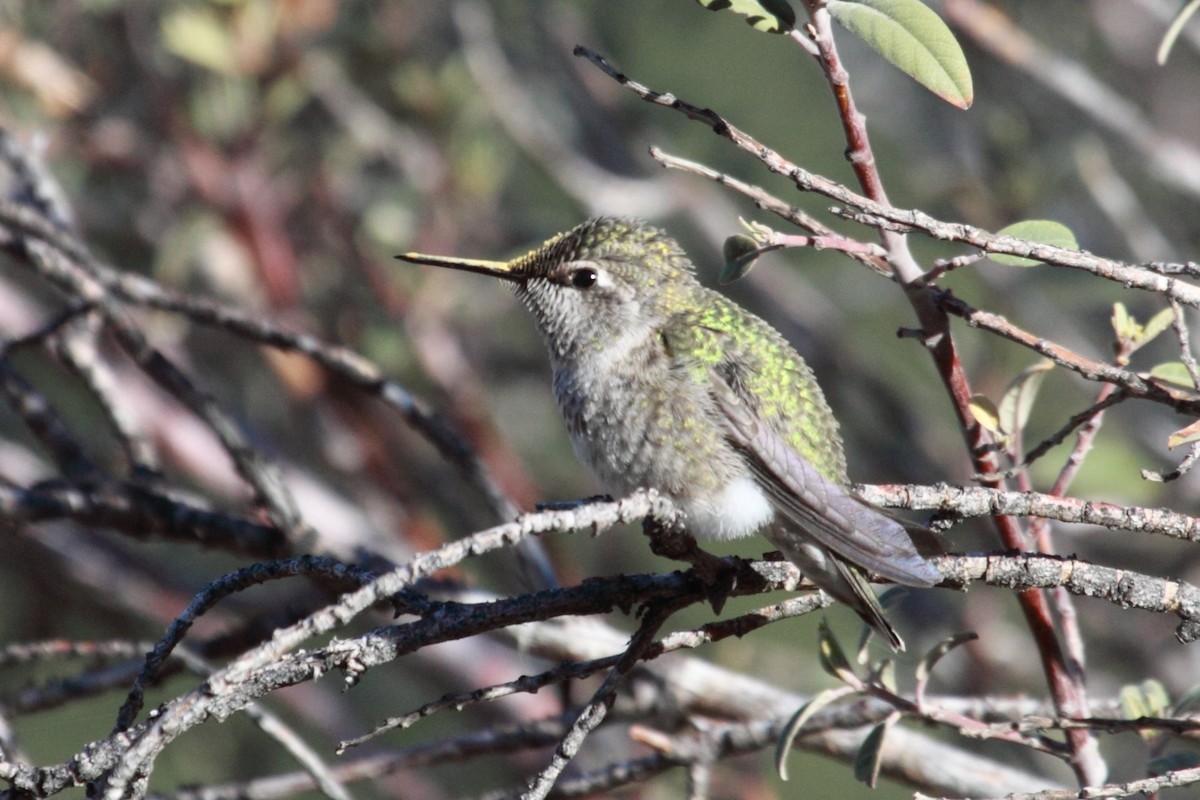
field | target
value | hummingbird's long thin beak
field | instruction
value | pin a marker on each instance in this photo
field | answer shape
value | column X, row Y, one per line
column 497, row 269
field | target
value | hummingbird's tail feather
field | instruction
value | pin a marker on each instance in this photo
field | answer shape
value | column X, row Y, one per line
column 840, row 521
column 866, row 604
column 843, row 580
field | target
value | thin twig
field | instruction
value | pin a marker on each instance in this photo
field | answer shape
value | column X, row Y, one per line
column 597, row 708
column 711, row 632
column 1132, row 384
column 1132, row 276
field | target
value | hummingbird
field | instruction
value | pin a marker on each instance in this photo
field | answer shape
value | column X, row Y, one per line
column 668, row 385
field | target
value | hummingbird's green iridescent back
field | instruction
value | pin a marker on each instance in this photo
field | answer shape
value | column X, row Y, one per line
column 767, row 374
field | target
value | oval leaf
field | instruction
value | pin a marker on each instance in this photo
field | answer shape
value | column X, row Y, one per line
column 1157, row 324
column 870, row 752
column 1157, row 700
column 885, row 675
column 1172, row 372
column 1042, row 231
column 1184, row 436
column 772, row 16
column 796, row 723
column 832, row 657
column 741, row 254
column 1123, row 324
column 1133, row 704
column 1147, row 699
column 915, row 40
column 1017, row 402
column 985, row 413
column 200, row 36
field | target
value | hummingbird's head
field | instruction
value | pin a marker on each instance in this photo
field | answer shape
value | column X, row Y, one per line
column 601, row 280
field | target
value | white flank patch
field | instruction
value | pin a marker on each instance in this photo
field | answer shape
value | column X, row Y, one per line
column 740, row 509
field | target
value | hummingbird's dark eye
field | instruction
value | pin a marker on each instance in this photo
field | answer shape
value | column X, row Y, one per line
column 584, row 278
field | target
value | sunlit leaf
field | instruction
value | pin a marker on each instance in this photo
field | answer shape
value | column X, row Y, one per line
column 1157, row 324
column 1042, row 231
column 885, row 675
column 1184, row 436
column 1147, row 699
column 1123, row 324
column 1017, row 401
column 1133, row 704
column 913, row 39
column 772, row 16
column 796, row 724
column 985, row 413
column 1157, row 700
column 198, row 35
column 1172, row 372
column 832, row 657
column 740, row 257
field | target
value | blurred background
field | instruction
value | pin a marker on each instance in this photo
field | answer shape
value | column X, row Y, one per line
column 276, row 154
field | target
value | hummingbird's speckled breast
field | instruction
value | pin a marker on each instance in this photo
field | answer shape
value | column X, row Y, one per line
column 639, row 420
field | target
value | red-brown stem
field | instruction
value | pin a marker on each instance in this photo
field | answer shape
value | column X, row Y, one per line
column 1066, row 686
column 1040, row 529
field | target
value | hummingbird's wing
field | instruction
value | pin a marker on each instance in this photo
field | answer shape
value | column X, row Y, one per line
column 818, row 506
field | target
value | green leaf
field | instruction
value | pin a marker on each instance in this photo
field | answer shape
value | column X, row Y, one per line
column 1184, row 436
column 914, row 39
column 772, row 16
column 870, row 752
column 1147, row 699
column 198, row 35
column 833, row 658
column 885, row 675
column 1172, row 372
column 935, row 653
column 796, row 723
column 1124, row 326
column 1042, row 231
column 741, row 254
column 1157, row 324
column 985, row 413
column 1018, row 399
column 1133, row 705
column 1157, row 700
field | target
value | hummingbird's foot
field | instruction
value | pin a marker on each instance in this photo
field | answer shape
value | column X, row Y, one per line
column 717, row 575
